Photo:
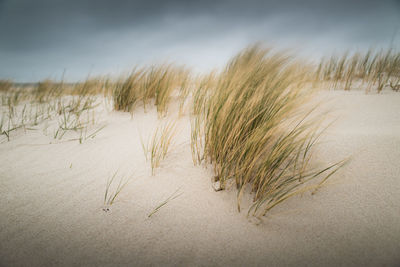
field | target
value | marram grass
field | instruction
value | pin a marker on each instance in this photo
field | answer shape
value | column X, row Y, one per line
column 165, row 202
column 153, row 83
column 247, row 123
column 156, row 149
column 374, row 69
column 111, row 194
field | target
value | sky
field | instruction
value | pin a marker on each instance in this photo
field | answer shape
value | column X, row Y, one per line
column 82, row 38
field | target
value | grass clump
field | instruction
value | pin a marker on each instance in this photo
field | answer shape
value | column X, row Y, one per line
column 146, row 84
column 128, row 92
column 5, row 85
column 157, row 148
column 26, row 109
column 91, row 87
column 375, row 69
column 113, row 190
column 47, row 90
column 248, row 124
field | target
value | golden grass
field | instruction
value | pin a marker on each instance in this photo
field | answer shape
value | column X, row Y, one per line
column 157, row 148
column 112, row 191
column 247, row 123
column 91, row 86
column 5, row 85
column 165, row 202
column 251, row 120
column 145, row 84
column 26, row 108
column 374, row 69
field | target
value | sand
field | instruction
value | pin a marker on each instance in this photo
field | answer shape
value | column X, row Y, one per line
column 51, row 199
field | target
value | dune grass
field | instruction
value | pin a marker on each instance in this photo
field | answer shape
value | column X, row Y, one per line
column 113, row 189
column 248, row 125
column 153, row 83
column 165, row 202
column 373, row 69
column 5, row 85
column 26, row 108
column 250, row 120
column 156, row 149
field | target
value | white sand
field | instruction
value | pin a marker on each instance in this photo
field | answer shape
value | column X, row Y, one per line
column 52, row 214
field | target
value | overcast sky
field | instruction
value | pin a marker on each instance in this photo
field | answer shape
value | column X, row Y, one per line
column 42, row 38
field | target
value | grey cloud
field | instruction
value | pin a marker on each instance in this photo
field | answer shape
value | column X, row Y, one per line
column 43, row 37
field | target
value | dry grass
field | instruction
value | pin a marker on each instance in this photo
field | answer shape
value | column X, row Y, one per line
column 113, row 190
column 26, row 108
column 5, row 85
column 91, row 87
column 165, row 202
column 157, row 148
column 374, row 69
column 146, row 84
column 247, row 123
column 249, row 120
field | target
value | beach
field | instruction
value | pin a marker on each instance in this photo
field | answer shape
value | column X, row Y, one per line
column 53, row 212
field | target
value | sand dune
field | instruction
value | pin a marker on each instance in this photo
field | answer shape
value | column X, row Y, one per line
column 52, row 199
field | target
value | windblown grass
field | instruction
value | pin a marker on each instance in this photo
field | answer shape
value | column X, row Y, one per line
column 128, row 92
column 145, row 84
column 165, row 202
column 156, row 150
column 5, row 85
column 113, row 190
column 92, row 87
column 374, row 69
column 247, row 123
column 26, row 108
column 24, row 117
column 47, row 90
